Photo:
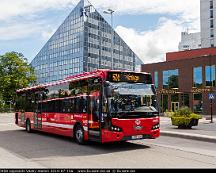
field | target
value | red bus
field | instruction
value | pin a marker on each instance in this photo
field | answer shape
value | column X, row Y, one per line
column 103, row 106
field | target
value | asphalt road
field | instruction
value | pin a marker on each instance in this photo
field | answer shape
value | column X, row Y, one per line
column 19, row 149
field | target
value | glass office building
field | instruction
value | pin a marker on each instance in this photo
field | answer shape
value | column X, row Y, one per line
column 84, row 42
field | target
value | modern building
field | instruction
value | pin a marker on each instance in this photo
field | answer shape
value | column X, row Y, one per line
column 190, row 41
column 207, row 36
column 208, row 23
column 83, row 42
column 186, row 78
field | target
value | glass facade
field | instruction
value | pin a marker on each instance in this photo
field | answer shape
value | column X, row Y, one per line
column 210, row 75
column 170, row 79
column 197, row 103
column 156, row 79
column 84, row 42
column 197, row 76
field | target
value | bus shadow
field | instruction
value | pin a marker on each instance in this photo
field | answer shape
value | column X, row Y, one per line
column 40, row 145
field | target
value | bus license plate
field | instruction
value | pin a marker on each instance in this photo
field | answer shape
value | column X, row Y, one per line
column 137, row 137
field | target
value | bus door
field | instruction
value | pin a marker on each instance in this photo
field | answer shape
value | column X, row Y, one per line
column 38, row 114
column 94, row 110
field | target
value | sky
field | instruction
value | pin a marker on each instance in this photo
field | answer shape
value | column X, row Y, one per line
column 150, row 27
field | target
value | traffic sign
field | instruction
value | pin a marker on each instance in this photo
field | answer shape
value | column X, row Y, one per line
column 211, row 96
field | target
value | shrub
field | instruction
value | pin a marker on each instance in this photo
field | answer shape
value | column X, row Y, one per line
column 186, row 112
column 185, row 118
column 168, row 113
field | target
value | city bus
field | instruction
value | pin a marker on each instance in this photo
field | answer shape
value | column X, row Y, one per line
column 103, row 106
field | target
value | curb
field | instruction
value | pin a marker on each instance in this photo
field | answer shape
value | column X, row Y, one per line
column 198, row 137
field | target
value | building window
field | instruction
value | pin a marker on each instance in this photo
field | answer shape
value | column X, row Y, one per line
column 185, row 99
column 211, row 5
column 210, row 75
column 174, row 102
column 212, row 33
column 156, row 79
column 212, row 42
column 197, row 103
column 170, row 79
column 211, row 23
column 164, row 103
column 185, row 46
column 211, row 13
column 197, row 77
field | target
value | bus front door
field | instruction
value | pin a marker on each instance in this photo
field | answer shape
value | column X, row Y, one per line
column 94, row 117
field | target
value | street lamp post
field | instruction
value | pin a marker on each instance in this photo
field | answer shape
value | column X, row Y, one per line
column 110, row 11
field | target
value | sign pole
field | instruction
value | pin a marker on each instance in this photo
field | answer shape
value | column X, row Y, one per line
column 211, row 112
column 211, row 98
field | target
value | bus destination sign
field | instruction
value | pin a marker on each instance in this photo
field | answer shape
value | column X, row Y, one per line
column 129, row 77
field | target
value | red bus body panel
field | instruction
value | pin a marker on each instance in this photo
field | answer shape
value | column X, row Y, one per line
column 64, row 123
column 128, row 127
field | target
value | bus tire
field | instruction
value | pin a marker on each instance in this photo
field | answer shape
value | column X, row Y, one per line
column 28, row 126
column 79, row 134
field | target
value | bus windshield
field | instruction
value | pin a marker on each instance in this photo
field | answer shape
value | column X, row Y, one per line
column 132, row 99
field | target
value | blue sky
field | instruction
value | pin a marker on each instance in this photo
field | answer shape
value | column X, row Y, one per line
column 150, row 28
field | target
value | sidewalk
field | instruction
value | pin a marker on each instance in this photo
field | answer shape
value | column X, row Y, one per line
column 205, row 131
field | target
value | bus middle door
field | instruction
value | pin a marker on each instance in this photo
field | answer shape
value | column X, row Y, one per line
column 38, row 116
column 94, row 116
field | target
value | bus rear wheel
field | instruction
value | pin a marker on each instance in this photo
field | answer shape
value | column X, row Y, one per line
column 28, row 126
column 79, row 135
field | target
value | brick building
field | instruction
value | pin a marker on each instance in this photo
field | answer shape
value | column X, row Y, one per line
column 186, row 78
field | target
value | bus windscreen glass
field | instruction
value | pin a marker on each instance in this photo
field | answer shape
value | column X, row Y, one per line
column 132, row 98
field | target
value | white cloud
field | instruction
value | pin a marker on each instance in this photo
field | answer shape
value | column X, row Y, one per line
column 151, row 46
column 13, row 31
column 16, row 8
column 187, row 11
column 188, row 8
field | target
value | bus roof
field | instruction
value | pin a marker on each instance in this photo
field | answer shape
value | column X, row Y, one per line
column 84, row 75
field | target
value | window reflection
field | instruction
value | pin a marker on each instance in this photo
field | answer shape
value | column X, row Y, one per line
column 156, row 79
column 197, row 103
column 210, row 75
column 170, row 79
column 197, row 76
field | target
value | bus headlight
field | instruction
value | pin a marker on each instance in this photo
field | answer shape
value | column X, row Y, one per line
column 156, row 126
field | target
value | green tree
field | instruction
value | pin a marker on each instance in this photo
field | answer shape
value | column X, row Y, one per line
column 173, row 81
column 15, row 73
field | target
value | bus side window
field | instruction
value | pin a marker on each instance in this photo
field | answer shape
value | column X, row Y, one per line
column 73, row 105
column 39, row 108
column 83, row 104
column 44, row 106
column 94, row 108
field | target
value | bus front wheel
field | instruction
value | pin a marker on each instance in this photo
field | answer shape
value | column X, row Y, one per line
column 79, row 134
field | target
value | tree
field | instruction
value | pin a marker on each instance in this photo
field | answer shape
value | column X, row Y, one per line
column 173, row 81
column 15, row 73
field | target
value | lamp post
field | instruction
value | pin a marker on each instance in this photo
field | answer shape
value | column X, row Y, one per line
column 110, row 11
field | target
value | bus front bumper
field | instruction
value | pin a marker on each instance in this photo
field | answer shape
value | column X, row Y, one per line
column 110, row 136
